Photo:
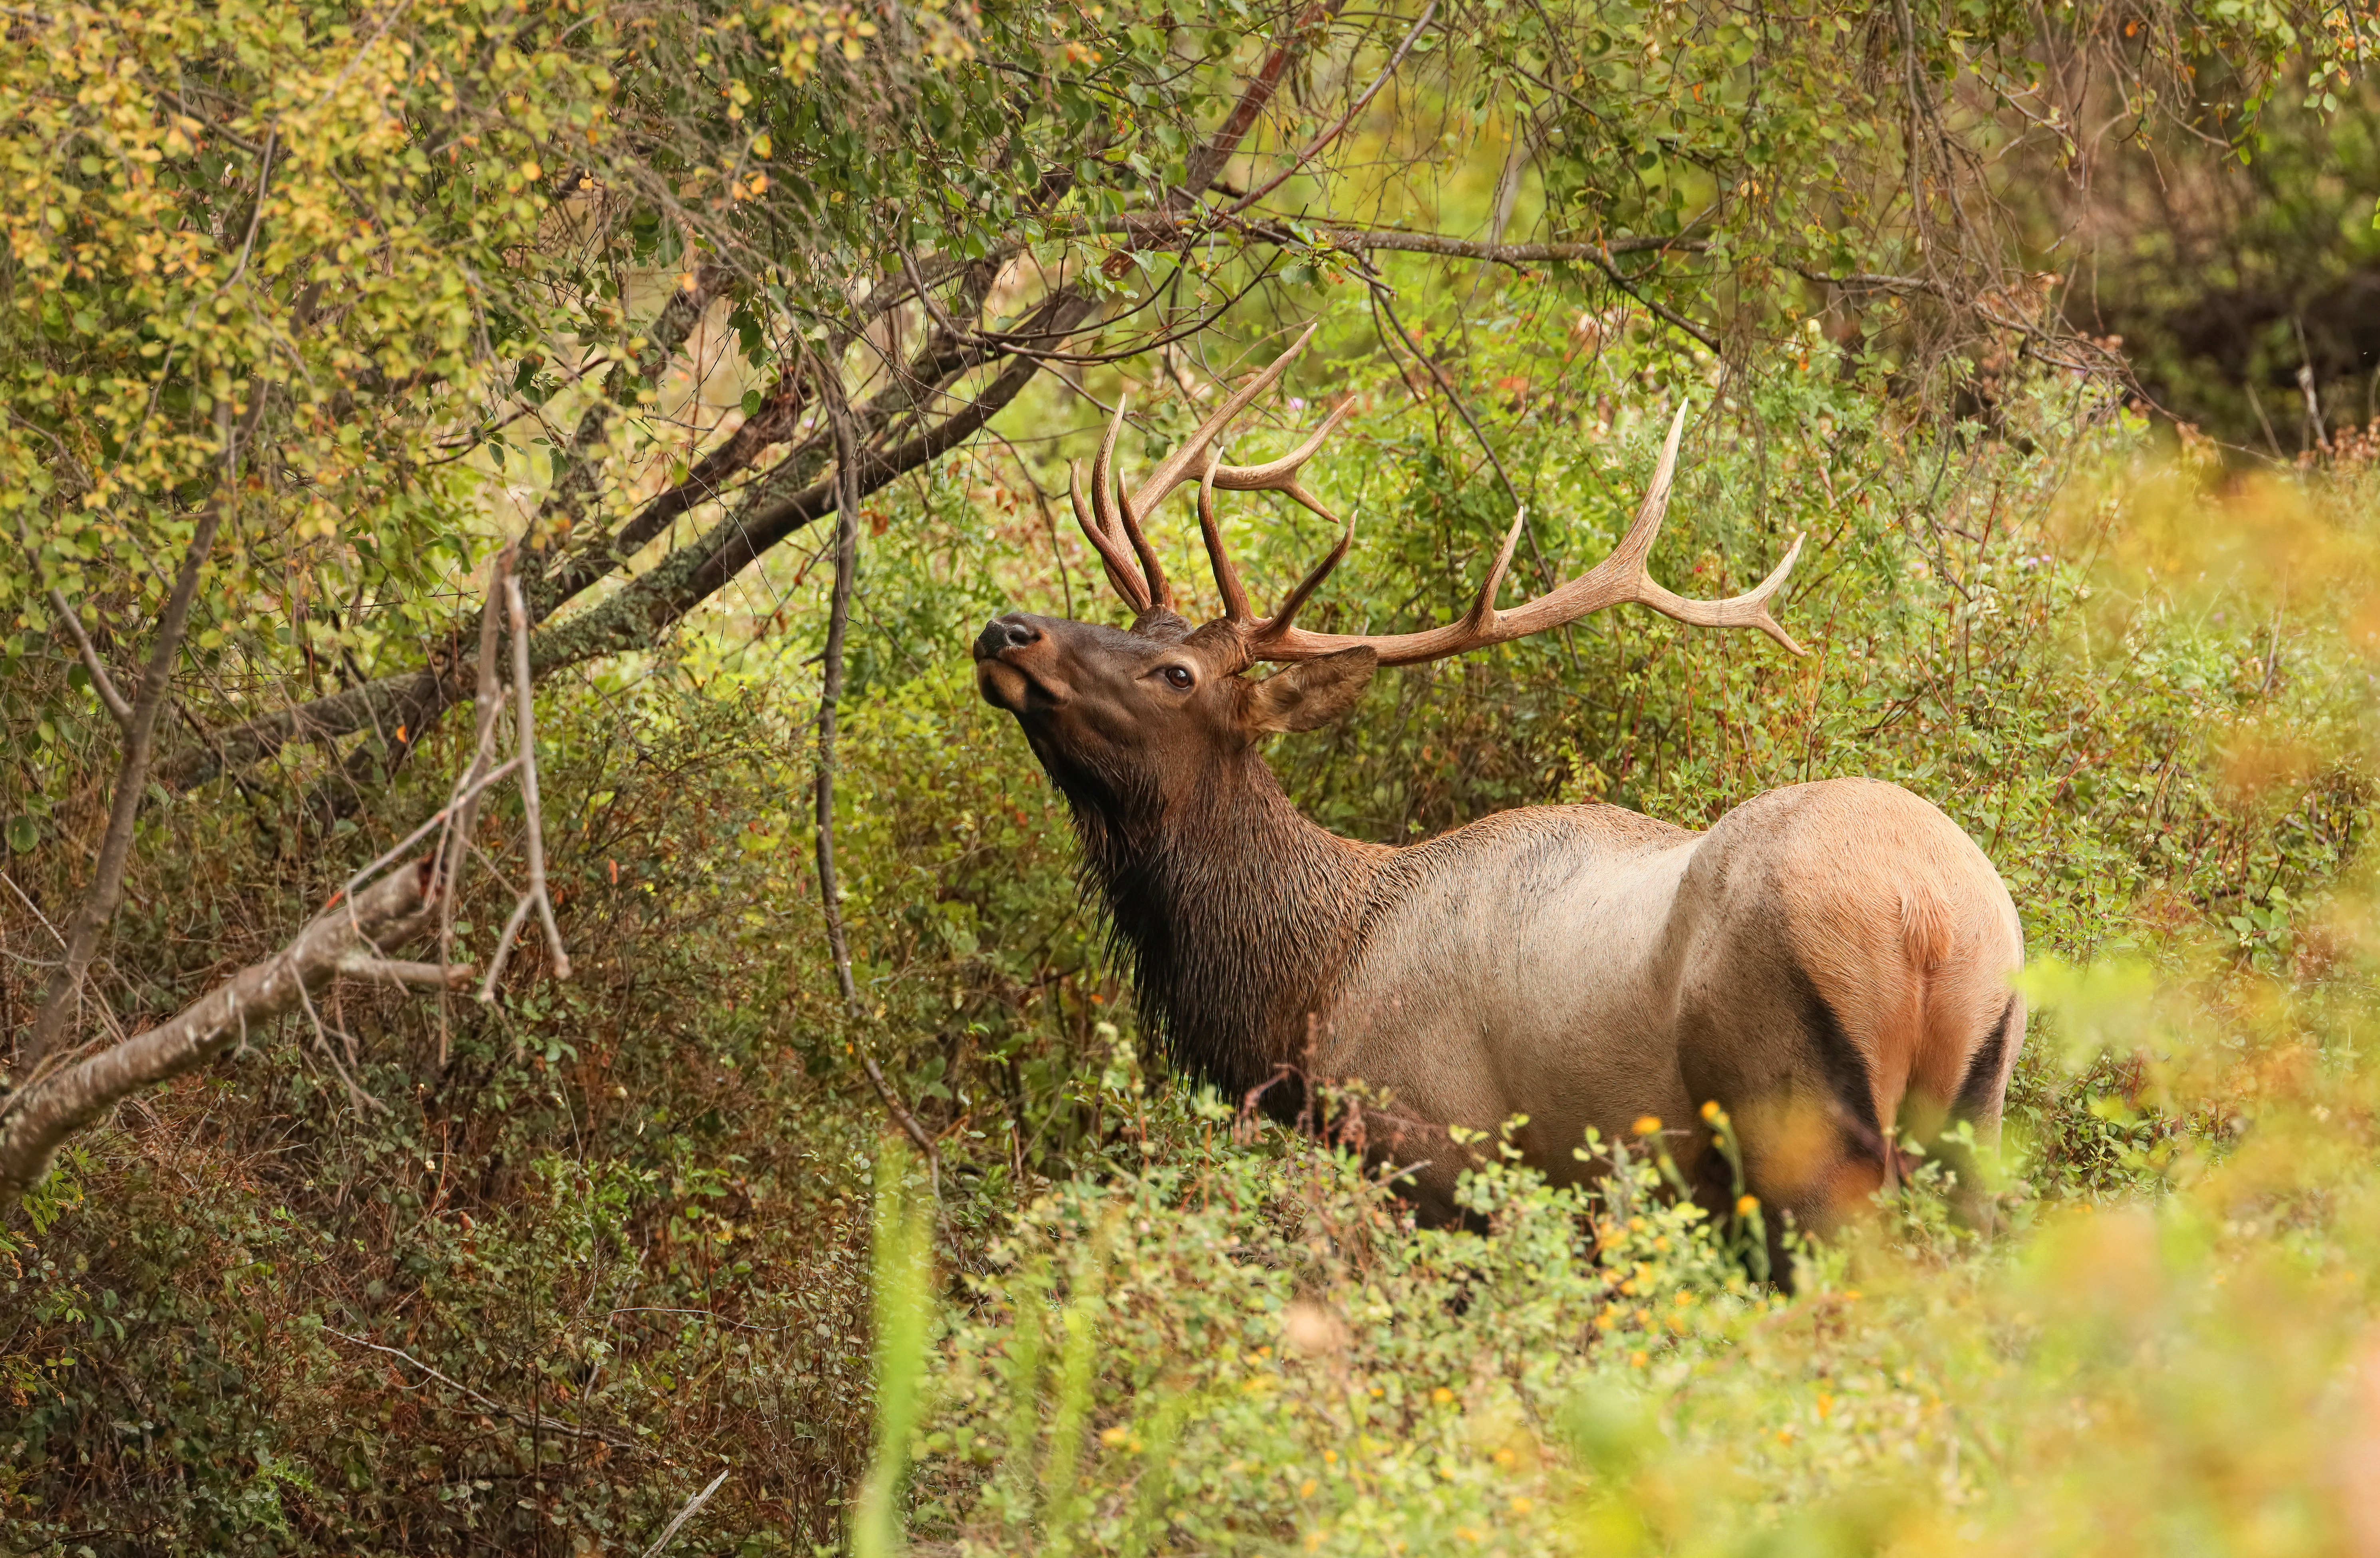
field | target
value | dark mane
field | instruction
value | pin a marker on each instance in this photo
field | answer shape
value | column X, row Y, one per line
column 1233, row 913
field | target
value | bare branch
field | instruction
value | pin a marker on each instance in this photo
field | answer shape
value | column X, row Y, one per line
column 503, row 949
column 1371, row 240
column 420, row 976
column 525, row 743
column 693, row 1506
column 100, row 681
column 454, row 846
column 846, row 556
column 40, row 1116
column 99, row 900
column 578, row 482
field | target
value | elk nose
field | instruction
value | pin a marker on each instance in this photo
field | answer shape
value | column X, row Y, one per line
column 1004, row 632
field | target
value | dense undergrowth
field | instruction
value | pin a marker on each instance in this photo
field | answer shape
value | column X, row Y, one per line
column 336, row 1294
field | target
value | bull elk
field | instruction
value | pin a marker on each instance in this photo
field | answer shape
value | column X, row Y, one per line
column 1829, row 962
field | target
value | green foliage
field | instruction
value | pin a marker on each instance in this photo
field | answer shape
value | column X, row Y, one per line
column 903, row 1274
column 261, row 257
column 1238, row 1347
column 1239, row 1341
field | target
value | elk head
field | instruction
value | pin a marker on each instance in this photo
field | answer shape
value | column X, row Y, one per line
column 1130, row 724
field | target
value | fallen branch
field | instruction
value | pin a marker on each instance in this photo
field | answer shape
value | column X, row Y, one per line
column 354, row 934
column 38, row 1118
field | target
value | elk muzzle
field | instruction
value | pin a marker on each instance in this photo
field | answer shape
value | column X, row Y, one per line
column 1016, row 665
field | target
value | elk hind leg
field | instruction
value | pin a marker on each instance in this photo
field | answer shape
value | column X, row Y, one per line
column 1975, row 1104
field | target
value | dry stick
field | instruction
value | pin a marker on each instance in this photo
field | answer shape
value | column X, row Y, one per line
column 693, row 1506
column 439, row 818
column 98, row 906
column 454, row 846
column 356, row 1094
column 525, row 736
column 525, row 743
column 846, row 557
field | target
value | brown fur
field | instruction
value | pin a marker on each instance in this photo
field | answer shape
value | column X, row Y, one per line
column 1829, row 962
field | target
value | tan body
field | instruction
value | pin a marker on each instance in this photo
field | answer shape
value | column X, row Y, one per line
column 1828, row 964
column 1823, row 948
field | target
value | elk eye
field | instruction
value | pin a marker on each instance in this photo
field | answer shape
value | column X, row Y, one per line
column 1179, row 675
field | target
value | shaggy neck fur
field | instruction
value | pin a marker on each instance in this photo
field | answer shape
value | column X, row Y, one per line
column 1238, row 915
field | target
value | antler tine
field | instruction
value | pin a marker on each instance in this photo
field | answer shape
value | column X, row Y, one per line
column 1161, row 590
column 1280, row 624
column 1118, row 523
column 1749, row 610
column 1111, row 556
column 1739, row 611
column 1280, row 475
column 1620, row 577
column 1481, row 618
column 1637, row 544
column 1103, row 476
column 1176, row 468
column 1227, row 577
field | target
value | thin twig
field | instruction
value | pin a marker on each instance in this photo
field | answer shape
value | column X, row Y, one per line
column 532, row 1420
column 34, row 907
column 503, row 949
column 356, row 1094
column 437, row 818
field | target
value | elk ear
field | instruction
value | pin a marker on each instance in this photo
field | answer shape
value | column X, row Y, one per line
column 1312, row 693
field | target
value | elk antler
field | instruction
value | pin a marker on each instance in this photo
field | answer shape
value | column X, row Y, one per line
column 1620, row 577
column 1112, row 521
